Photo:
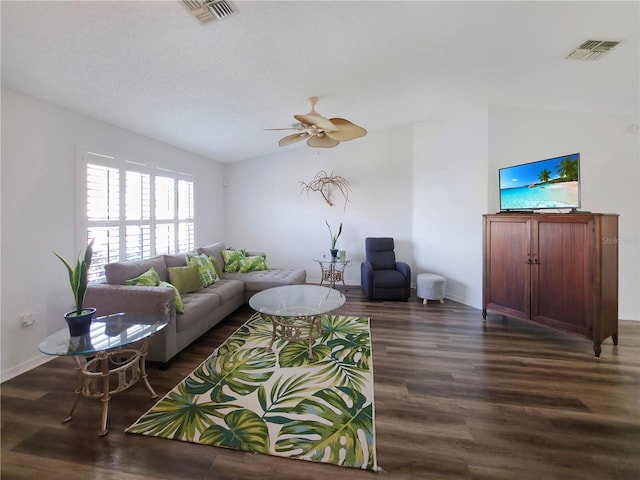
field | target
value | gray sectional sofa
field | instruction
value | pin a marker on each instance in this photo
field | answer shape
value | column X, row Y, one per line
column 203, row 308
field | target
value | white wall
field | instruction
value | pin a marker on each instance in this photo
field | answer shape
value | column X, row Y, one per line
column 610, row 172
column 450, row 197
column 424, row 185
column 39, row 142
column 267, row 211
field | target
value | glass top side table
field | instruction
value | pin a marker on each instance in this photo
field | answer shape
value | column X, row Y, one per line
column 296, row 311
column 104, row 365
column 332, row 270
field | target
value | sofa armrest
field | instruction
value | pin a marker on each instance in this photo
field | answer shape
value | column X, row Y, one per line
column 108, row 299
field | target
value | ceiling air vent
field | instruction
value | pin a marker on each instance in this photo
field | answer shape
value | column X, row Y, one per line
column 209, row 10
column 592, row 49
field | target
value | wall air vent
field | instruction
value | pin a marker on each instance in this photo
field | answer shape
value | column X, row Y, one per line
column 592, row 49
column 209, row 10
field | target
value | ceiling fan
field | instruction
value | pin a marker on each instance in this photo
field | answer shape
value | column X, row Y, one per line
column 319, row 131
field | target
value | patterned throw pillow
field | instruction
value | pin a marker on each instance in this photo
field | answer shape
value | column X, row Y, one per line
column 150, row 278
column 248, row 264
column 208, row 275
column 178, row 298
column 185, row 279
column 216, row 266
column 232, row 259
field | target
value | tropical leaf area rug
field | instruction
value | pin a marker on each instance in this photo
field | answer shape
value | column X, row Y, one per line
column 278, row 402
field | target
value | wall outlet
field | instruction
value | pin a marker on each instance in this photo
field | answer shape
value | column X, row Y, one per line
column 27, row 319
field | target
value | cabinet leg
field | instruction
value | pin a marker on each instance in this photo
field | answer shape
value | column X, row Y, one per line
column 484, row 315
column 597, row 349
column 614, row 337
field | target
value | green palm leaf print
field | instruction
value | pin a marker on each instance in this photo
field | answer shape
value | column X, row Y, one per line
column 244, row 430
column 342, row 417
column 178, row 416
column 277, row 400
column 241, row 371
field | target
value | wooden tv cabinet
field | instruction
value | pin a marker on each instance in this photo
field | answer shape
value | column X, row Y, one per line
column 559, row 270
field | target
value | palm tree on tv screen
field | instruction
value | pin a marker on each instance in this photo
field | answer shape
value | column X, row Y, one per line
column 568, row 169
column 544, row 176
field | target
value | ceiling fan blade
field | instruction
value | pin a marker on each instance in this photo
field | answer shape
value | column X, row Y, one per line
column 346, row 130
column 315, row 119
column 322, row 142
column 293, row 138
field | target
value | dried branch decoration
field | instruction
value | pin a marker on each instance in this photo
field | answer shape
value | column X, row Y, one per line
column 323, row 183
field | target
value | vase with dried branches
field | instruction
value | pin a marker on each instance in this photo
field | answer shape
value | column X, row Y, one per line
column 324, row 183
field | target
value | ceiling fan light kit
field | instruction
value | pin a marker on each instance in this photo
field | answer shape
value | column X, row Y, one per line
column 321, row 132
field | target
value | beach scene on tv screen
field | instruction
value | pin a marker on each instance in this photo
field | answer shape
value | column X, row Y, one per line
column 551, row 183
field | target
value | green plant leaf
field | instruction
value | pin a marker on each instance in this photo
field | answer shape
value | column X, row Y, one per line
column 244, row 430
column 286, row 392
column 241, row 371
column 178, row 416
column 335, row 326
column 337, row 419
column 296, row 354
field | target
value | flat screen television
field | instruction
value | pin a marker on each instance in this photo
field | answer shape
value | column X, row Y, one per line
column 550, row 183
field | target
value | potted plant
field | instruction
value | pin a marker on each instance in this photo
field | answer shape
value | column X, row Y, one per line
column 334, row 239
column 79, row 320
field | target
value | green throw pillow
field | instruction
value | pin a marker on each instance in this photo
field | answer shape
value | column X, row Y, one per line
column 248, row 264
column 216, row 266
column 232, row 259
column 150, row 278
column 185, row 279
column 178, row 298
column 208, row 274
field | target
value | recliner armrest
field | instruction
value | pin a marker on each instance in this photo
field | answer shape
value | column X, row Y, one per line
column 404, row 269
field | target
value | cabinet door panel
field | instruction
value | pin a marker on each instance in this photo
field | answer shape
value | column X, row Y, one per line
column 561, row 283
column 508, row 273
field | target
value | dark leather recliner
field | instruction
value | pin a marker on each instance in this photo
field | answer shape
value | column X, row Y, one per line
column 383, row 278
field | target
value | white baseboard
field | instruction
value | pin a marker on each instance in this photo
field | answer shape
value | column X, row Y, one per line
column 24, row 367
column 635, row 317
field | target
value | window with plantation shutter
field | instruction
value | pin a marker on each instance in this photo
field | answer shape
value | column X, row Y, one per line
column 135, row 211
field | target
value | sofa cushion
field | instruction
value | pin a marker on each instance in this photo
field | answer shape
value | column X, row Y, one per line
column 208, row 274
column 177, row 298
column 117, row 273
column 176, row 260
column 232, row 259
column 213, row 251
column 216, row 266
column 276, row 277
column 185, row 279
column 149, row 278
column 225, row 289
column 197, row 306
column 249, row 264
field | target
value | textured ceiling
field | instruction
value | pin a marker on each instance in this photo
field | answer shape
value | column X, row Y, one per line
column 212, row 89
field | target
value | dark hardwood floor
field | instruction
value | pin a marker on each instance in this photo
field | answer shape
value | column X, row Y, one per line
column 455, row 399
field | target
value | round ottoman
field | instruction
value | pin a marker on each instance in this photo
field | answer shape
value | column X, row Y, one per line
column 430, row 286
